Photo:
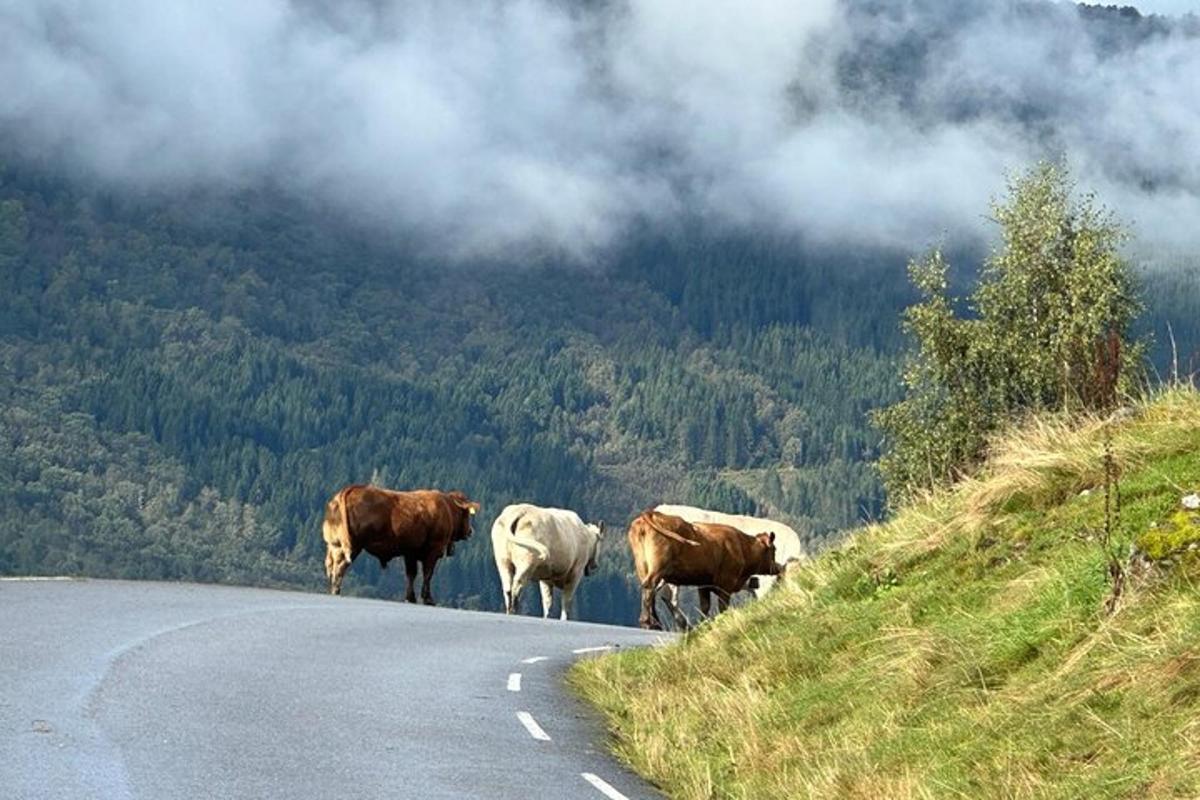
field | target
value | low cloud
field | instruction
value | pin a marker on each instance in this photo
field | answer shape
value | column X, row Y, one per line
column 494, row 127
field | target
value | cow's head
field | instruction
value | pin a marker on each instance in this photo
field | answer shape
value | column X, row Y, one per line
column 764, row 563
column 597, row 529
column 468, row 509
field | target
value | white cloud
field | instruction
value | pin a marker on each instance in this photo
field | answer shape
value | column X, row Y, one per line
column 495, row 126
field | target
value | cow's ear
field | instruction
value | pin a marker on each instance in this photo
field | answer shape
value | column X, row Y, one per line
column 470, row 506
column 771, row 538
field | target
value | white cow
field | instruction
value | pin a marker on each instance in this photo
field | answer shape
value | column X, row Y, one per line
column 787, row 541
column 550, row 545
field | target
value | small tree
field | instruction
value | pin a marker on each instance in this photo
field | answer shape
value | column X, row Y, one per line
column 1050, row 298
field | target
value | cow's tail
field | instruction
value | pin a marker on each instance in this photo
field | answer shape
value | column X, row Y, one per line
column 532, row 545
column 336, row 528
column 649, row 516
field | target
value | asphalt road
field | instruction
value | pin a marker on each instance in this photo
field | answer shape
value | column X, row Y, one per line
column 113, row 689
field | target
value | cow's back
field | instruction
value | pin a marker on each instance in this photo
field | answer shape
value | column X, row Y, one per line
column 503, row 529
column 656, row 551
column 718, row 559
column 787, row 541
column 560, row 531
column 502, row 526
column 391, row 523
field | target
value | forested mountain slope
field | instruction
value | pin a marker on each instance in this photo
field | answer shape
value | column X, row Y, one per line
column 186, row 381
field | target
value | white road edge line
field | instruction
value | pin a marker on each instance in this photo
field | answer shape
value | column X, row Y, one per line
column 34, row 578
column 592, row 649
column 531, row 725
column 533, row 659
column 514, row 682
column 605, row 788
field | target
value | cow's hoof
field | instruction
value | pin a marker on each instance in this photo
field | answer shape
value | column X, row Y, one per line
column 412, row 599
column 428, row 601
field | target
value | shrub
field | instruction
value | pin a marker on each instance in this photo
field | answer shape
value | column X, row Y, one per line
column 1047, row 329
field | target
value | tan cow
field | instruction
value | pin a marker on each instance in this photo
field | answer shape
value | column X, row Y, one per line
column 787, row 542
column 715, row 558
column 420, row 526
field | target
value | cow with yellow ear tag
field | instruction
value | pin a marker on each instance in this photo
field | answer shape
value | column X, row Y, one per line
column 418, row 526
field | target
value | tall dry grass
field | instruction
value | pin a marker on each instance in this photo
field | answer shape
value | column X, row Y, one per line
column 958, row 650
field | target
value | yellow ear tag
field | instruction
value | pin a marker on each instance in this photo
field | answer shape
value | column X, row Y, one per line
column 471, row 511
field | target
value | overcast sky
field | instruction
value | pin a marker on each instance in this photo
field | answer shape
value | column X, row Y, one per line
column 491, row 127
column 1164, row 6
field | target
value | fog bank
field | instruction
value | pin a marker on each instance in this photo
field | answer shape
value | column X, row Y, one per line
column 492, row 127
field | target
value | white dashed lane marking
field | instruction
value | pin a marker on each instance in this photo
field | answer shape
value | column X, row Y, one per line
column 531, row 725
column 605, row 788
column 514, row 685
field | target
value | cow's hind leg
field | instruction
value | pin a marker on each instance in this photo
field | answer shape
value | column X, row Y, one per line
column 410, row 571
column 520, row 581
column 337, row 561
column 705, row 600
column 646, row 618
column 427, row 568
column 505, row 568
column 547, row 598
column 649, row 617
column 567, row 598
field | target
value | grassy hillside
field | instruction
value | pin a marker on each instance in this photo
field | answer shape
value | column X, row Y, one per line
column 961, row 650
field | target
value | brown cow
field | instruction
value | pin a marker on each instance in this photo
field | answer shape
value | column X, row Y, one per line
column 421, row 526
column 715, row 558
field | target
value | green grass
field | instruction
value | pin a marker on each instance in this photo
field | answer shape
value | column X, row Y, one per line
column 961, row 650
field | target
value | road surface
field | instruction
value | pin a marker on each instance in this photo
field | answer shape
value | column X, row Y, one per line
column 112, row 689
